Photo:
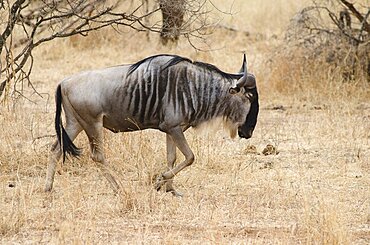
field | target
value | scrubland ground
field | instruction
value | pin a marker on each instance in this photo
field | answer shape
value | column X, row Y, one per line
column 313, row 190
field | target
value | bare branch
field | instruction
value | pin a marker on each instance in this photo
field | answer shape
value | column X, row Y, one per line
column 338, row 40
column 12, row 19
column 357, row 14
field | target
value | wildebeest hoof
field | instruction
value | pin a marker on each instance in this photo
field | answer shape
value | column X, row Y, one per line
column 159, row 182
column 176, row 193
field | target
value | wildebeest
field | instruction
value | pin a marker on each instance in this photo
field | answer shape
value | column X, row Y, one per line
column 165, row 92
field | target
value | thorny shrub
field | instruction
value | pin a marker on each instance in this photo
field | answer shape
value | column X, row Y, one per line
column 325, row 43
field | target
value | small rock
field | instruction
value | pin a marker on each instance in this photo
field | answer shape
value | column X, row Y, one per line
column 279, row 107
column 270, row 150
column 250, row 149
column 268, row 165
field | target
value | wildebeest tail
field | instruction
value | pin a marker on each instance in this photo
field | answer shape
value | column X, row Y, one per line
column 65, row 142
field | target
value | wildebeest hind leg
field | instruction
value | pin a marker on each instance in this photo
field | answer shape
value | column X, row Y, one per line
column 179, row 140
column 95, row 136
column 72, row 129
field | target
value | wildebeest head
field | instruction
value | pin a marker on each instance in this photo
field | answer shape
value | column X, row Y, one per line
column 246, row 87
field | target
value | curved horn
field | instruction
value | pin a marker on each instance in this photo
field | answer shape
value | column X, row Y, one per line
column 248, row 80
column 244, row 65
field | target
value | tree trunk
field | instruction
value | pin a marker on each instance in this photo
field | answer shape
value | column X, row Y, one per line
column 172, row 19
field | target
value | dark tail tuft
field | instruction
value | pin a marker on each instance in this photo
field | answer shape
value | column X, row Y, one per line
column 64, row 141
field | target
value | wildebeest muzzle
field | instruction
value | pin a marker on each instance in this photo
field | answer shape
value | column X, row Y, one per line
column 246, row 134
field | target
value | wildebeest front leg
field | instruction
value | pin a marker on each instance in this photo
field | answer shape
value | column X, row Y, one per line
column 171, row 158
column 178, row 138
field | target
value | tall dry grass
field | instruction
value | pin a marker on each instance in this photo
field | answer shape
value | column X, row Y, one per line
column 314, row 191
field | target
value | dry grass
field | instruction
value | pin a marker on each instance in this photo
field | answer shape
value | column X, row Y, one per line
column 314, row 191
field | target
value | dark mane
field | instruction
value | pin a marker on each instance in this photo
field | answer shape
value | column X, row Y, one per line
column 213, row 68
column 177, row 59
column 133, row 67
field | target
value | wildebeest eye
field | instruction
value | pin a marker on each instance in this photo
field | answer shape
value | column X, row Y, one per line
column 249, row 96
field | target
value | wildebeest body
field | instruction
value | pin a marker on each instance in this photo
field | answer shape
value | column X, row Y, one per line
column 153, row 98
column 164, row 92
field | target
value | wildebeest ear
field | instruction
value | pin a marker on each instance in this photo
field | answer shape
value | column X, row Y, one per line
column 243, row 69
column 248, row 80
column 234, row 90
column 251, row 81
